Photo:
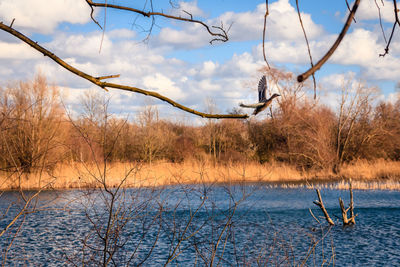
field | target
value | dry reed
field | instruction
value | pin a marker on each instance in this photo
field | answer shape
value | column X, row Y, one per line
column 366, row 175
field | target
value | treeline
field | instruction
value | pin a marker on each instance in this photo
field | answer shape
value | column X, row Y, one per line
column 37, row 132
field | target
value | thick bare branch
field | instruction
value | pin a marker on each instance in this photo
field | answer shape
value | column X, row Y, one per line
column 305, row 75
column 220, row 36
column 97, row 80
column 320, row 204
column 344, row 212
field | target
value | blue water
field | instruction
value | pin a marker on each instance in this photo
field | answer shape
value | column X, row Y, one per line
column 255, row 225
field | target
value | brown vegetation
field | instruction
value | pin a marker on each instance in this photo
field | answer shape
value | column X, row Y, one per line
column 302, row 140
column 78, row 175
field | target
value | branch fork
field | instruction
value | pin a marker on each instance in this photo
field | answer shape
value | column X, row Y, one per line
column 345, row 219
column 320, row 204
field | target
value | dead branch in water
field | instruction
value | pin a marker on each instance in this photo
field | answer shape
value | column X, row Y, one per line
column 345, row 219
column 320, row 204
column 352, row 219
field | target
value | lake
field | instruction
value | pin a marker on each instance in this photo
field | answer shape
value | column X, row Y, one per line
column 196, row 225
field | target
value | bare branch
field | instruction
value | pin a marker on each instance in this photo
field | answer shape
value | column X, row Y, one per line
column 396, row 22
column 105, row 85
column 352, row 219
column 21, row 212
column 348, row 8
column 222, row 36
column 308, row 47
column 103, row 29
column 320, row 204
column 351, row 206
column 107, row 77
column 91, row 14
column 305, row 75
column 344, row 212
column 312, row 214
column 190, row 14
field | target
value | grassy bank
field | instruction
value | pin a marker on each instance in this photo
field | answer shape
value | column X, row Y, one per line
column 365, row 175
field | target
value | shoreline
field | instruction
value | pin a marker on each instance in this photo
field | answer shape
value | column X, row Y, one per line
column 379, row 175
column 383, row 185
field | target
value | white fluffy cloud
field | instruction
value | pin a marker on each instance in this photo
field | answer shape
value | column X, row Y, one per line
column 192, row 8
column 209, row 68
column 362, row 48
column 18, row 51
column 43, row 16
column 82, row 46
column 358, row 47
column 282, row 24
column 162, row 84
column 336, row 81
column 194, row 36
column 369, row 10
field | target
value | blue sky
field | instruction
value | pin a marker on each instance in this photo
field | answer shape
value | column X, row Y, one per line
column 177, row 59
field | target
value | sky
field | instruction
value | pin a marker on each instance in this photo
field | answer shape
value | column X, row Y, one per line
column 178, row 61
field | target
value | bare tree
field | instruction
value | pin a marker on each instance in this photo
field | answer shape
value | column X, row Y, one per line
column 152, row 134
column 29, row 143
column 32, row 117
column 354, row 108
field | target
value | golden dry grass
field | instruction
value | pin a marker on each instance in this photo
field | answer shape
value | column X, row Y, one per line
column 375, row 170
column 366, row 175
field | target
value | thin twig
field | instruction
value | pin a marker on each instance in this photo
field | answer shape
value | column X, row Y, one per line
column 348, row 8
column 222, row 36
column 91, row 15
column 312, row 214
column 104, row 27
column 308, row 47
column 264, row 29
column 396, row 22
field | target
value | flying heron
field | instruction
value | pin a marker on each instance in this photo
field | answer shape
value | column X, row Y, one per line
column 263, row 103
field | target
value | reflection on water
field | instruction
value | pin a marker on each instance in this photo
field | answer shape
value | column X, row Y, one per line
column 272, row 225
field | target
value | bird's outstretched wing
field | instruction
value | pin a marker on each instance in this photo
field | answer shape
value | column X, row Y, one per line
column 251, row 105
column 262, row 86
